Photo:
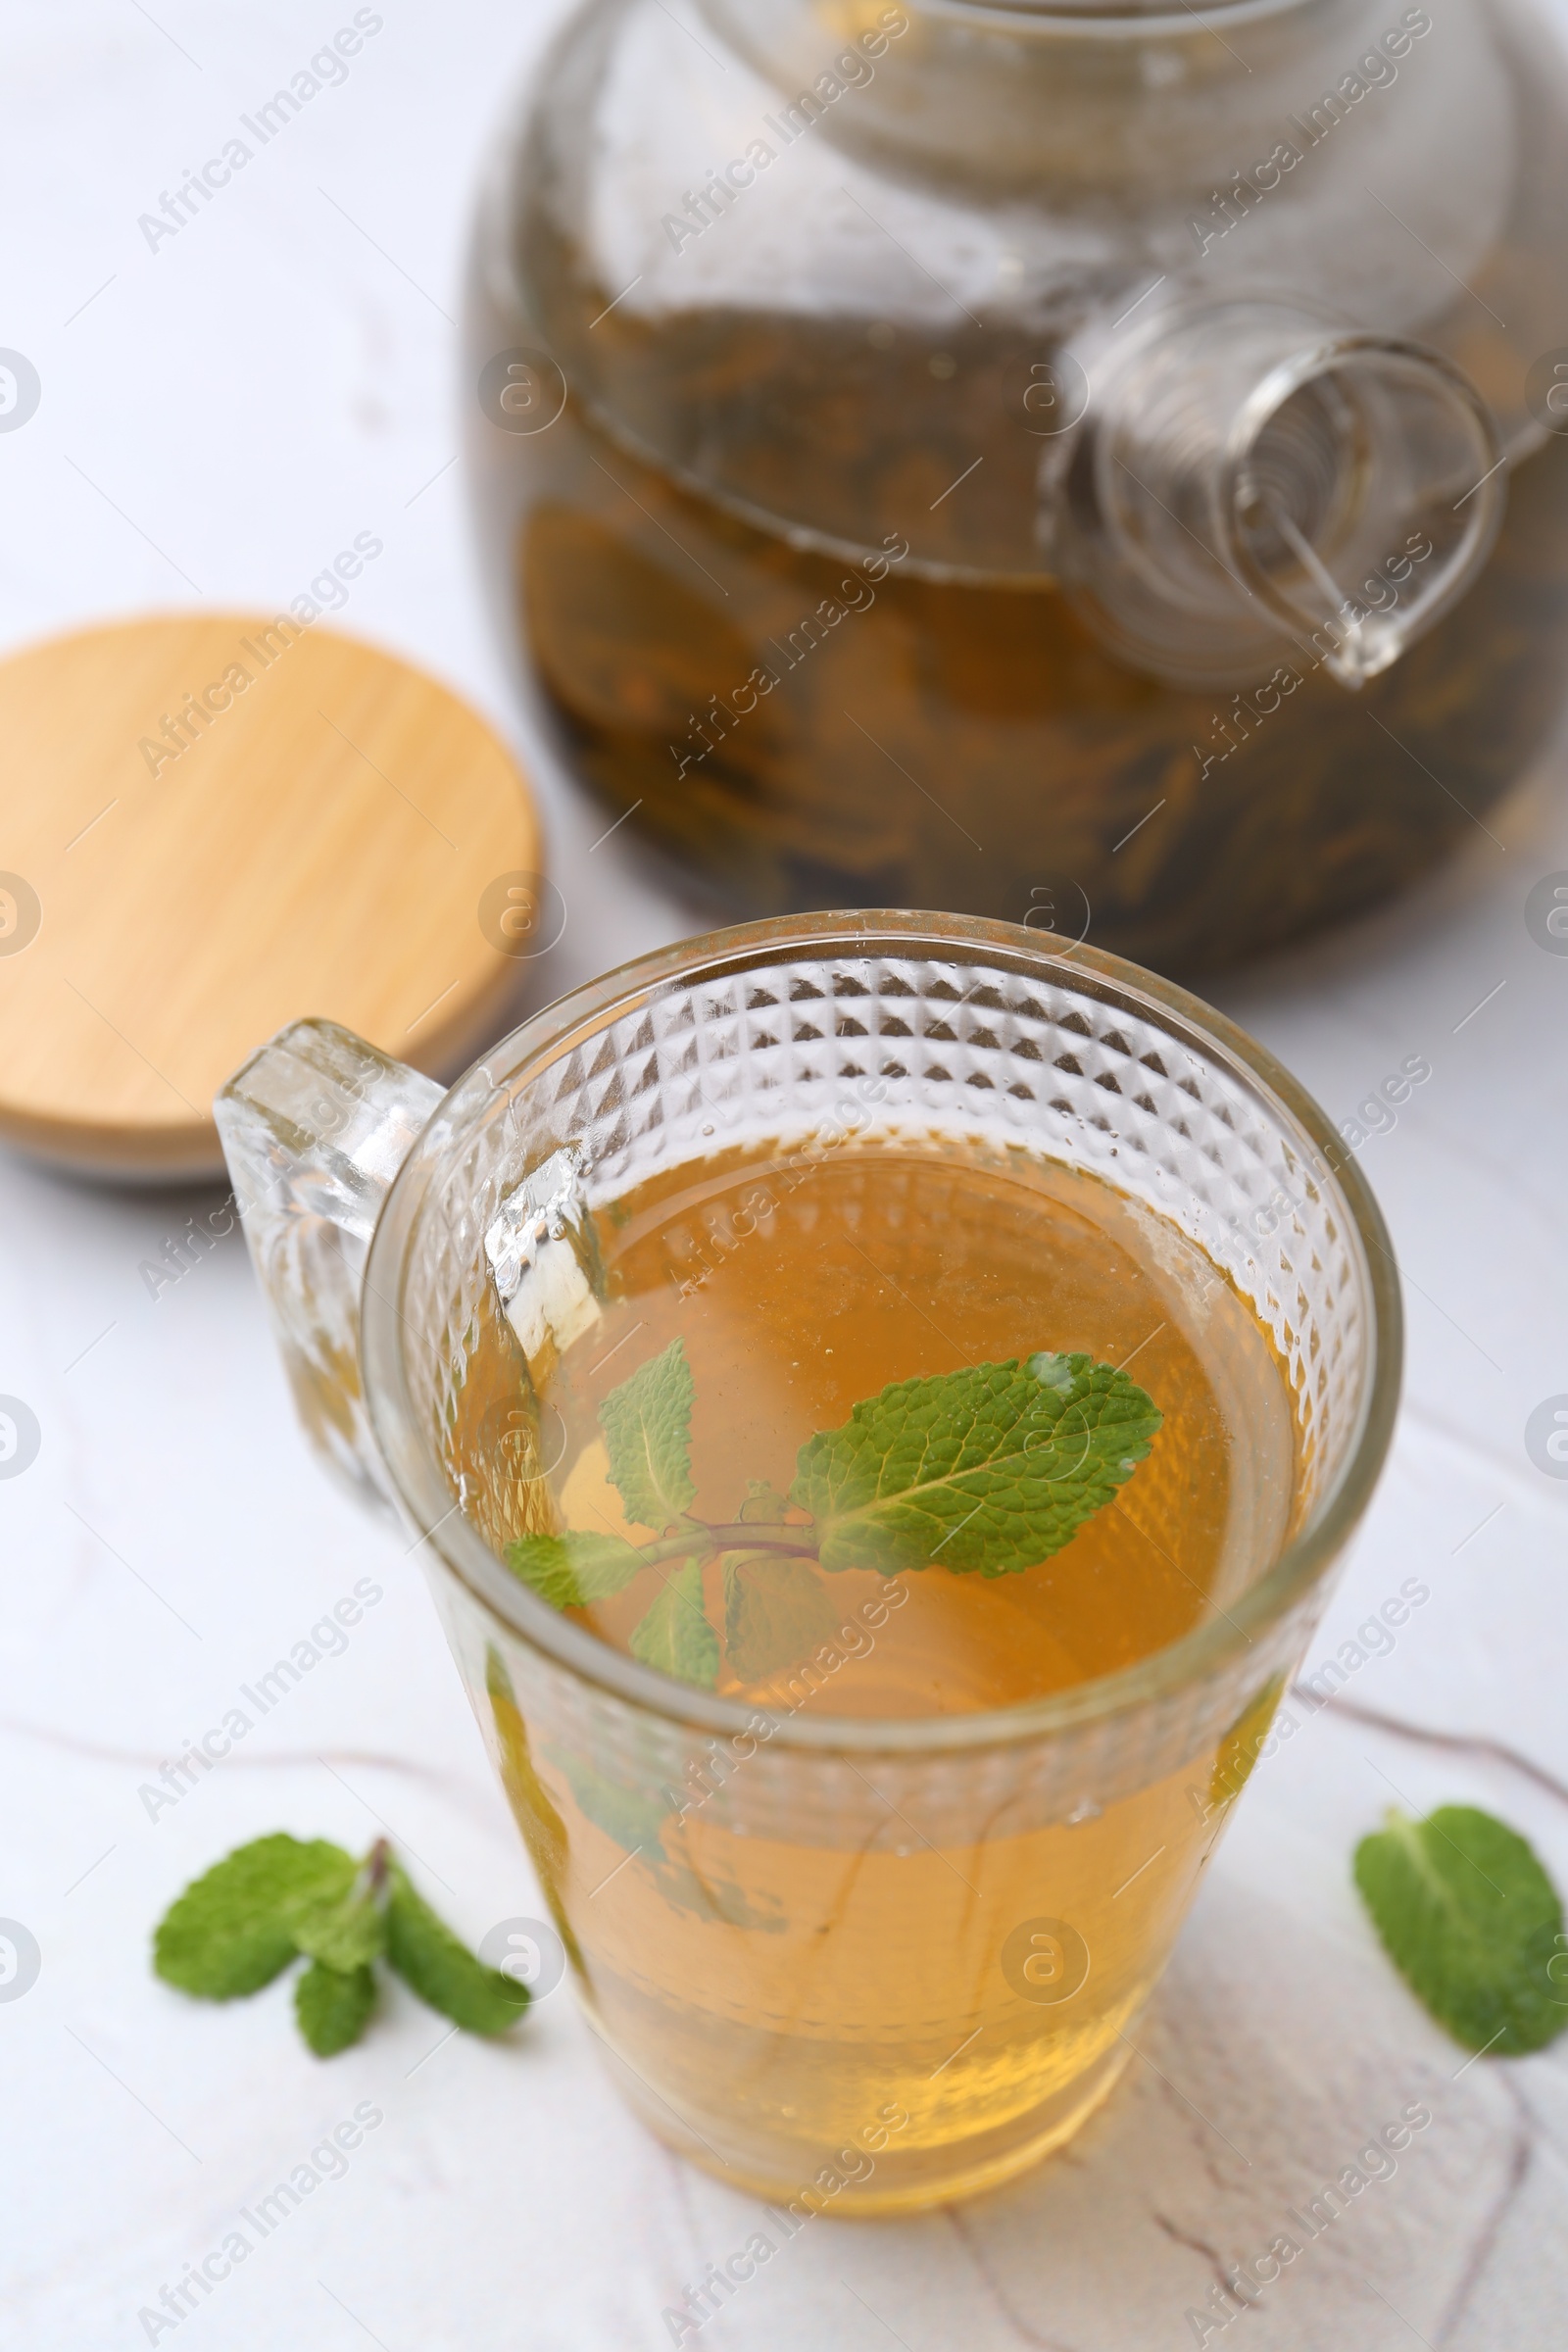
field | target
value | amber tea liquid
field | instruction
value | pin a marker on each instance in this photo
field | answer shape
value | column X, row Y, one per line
column 849, row 1993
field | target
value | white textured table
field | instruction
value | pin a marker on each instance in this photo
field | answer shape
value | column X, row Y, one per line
column 219, row 415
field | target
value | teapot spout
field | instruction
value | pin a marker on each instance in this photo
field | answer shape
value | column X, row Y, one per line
column 314, row 1127
column 1249, row 473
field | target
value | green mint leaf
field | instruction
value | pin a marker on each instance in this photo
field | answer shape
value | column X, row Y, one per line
column 229, row 1933
column 647, row 1424
column 343, row 1931
column 776, row 1613
column 572, row 1569
column 992, row 1468
column 633, row 1820
column 1473, row 1924
column 764, row 1505
column 333, row 2006
column 676, row 1634
column 441, row 1968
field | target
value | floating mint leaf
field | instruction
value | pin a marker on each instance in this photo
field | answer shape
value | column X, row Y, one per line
column 573, row 1569
column 776, row 1613
column 1473, row 1924
column 333, row 2006
column 441, row 1968
column 229, row 1933
column 647, row 1424
column 676, row 1634
column 764, row 1505
column 992, row 1468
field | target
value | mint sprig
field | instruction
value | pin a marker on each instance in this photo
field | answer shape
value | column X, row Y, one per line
column 268, row 1904
column 989, row 1469
column 1473, row 1924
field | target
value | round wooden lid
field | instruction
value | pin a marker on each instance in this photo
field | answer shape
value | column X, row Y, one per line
column 211, row 825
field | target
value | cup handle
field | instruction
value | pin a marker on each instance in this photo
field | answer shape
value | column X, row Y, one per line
column 314, row 1126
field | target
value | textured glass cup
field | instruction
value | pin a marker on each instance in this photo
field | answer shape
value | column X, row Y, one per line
column 862, row 1962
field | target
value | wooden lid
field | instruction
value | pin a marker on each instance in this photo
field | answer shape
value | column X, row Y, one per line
column 211, row 825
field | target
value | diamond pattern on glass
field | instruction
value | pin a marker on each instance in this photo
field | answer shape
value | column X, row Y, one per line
column 905, row 1047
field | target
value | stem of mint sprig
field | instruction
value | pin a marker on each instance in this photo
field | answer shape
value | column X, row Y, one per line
column 705, row 1536
column 988, row 1470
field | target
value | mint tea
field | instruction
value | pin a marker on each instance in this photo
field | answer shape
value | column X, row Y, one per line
column 882, row 1428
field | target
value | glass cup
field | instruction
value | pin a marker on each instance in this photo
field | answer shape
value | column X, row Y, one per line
column 848, row 1963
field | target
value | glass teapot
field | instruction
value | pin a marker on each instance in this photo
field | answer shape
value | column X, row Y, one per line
column 1091, row 465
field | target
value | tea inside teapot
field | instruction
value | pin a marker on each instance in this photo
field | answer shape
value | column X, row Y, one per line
column 939, row 473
